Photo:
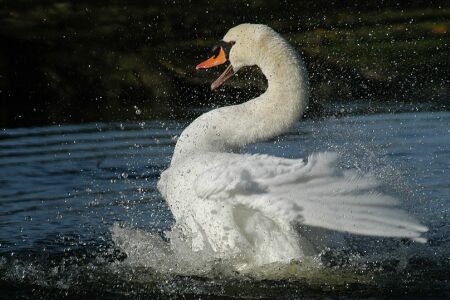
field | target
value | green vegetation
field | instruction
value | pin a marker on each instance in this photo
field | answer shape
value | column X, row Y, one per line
column 406, row 59
column 64, row 61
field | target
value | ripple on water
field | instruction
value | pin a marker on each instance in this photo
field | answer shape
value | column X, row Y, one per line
column 64, row 188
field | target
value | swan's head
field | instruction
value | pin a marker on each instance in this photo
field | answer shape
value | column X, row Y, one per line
column 241, row 46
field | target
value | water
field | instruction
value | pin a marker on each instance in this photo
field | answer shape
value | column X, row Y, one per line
column 67, row 190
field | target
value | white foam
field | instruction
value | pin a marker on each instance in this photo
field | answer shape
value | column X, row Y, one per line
column 176, row 257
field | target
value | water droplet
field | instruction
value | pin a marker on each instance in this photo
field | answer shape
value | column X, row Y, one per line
column 137, row 111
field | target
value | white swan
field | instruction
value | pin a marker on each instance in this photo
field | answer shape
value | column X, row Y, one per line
column 241, row 205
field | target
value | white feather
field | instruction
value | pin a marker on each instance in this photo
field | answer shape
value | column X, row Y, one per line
column 240, row 205
column 316, row 194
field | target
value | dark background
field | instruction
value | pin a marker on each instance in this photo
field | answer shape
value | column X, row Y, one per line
column 84, row 61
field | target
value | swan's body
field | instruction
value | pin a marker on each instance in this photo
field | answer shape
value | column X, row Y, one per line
column 249, row 205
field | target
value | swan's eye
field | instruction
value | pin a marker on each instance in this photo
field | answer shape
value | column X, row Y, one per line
column 222, row 45
column 215, row 51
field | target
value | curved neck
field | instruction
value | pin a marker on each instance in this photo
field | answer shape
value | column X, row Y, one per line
column 270, row 114
column 281, row 105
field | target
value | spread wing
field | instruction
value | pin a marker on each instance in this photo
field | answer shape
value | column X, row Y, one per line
column 314, row 193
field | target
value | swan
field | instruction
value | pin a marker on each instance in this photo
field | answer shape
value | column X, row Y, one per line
column 251, row 206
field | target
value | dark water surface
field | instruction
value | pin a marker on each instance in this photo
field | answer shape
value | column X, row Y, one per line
column 63, row 188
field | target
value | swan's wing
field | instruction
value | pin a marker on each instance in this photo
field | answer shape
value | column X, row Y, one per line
column 314, row 193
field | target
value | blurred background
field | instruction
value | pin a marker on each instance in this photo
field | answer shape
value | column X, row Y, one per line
column 99, row 60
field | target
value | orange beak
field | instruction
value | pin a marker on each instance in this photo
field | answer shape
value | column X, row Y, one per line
column 213, row 61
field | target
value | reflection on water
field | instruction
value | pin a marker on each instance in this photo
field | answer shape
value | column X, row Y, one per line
column 65, row 189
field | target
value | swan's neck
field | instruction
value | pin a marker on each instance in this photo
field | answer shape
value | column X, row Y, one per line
column 270, row 114
column 286, row 96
